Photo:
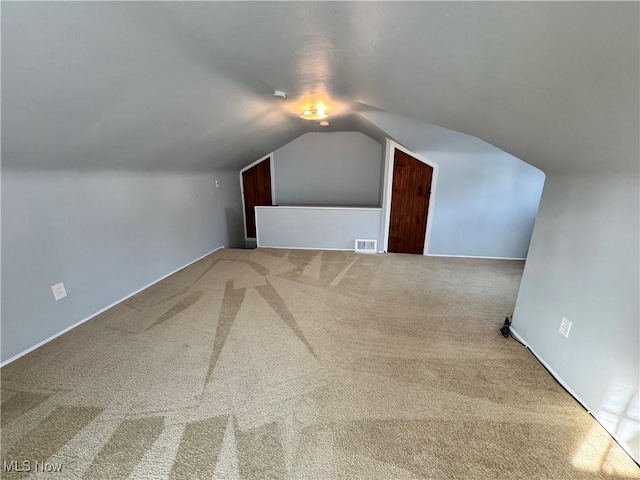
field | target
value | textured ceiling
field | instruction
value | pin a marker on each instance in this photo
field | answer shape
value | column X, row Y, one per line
column 188, row 85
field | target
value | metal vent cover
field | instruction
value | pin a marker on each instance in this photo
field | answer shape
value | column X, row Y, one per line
column 366, row 245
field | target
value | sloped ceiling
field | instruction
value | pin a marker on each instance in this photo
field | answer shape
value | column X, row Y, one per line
column 147, row 86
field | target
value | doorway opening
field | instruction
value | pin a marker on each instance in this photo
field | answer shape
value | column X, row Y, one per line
column 256, row 183
column 409, row 194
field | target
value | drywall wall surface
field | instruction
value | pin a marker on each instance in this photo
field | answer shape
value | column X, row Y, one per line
column 370, row 130
column 486, row 200
column 584, row 265
column 105, row 235
column 317, row 227
column 335, row 168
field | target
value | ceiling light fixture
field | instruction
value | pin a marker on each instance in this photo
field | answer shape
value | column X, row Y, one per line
column 314, row 112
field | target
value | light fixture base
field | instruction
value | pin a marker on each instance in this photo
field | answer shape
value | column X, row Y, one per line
column 314, row 112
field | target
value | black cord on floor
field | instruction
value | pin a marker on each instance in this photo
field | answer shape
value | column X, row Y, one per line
column 511, row 335
column 506, row 332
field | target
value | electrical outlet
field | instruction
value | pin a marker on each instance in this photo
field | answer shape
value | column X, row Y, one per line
column 59, row 291
column 565, row 327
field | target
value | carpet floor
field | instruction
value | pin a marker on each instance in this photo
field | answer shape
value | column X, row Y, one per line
column 274, row 364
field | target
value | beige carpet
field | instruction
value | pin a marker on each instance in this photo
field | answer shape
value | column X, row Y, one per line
column 260, row 364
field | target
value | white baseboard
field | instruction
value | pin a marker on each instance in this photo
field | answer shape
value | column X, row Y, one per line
column 310, row 248
column 472, row 256
column 317, row 248
column 551, row 371
column 559, row 379
column 65, row 330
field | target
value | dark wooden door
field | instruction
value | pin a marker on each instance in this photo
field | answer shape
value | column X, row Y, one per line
column 256, row 188
column 410, row 195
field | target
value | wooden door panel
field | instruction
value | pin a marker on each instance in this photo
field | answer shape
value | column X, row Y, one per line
column 410, row 193
column 420, row 207
column 256, row 188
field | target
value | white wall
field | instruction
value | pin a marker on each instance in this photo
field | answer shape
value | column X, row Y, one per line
column 105, row 235
column 486, row 199
column 584, row 265
column 317, row 227
column 332, row 168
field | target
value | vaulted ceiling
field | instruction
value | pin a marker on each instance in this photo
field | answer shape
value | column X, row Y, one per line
column 183, row 85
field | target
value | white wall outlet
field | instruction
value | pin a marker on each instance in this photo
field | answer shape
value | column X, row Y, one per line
column 565, row 327
column 217, row 183
column 59, row 291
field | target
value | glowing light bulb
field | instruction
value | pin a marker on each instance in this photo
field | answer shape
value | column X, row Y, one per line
column 314, row 112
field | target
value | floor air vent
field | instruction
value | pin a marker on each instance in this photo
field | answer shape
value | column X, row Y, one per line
column 366, row 246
